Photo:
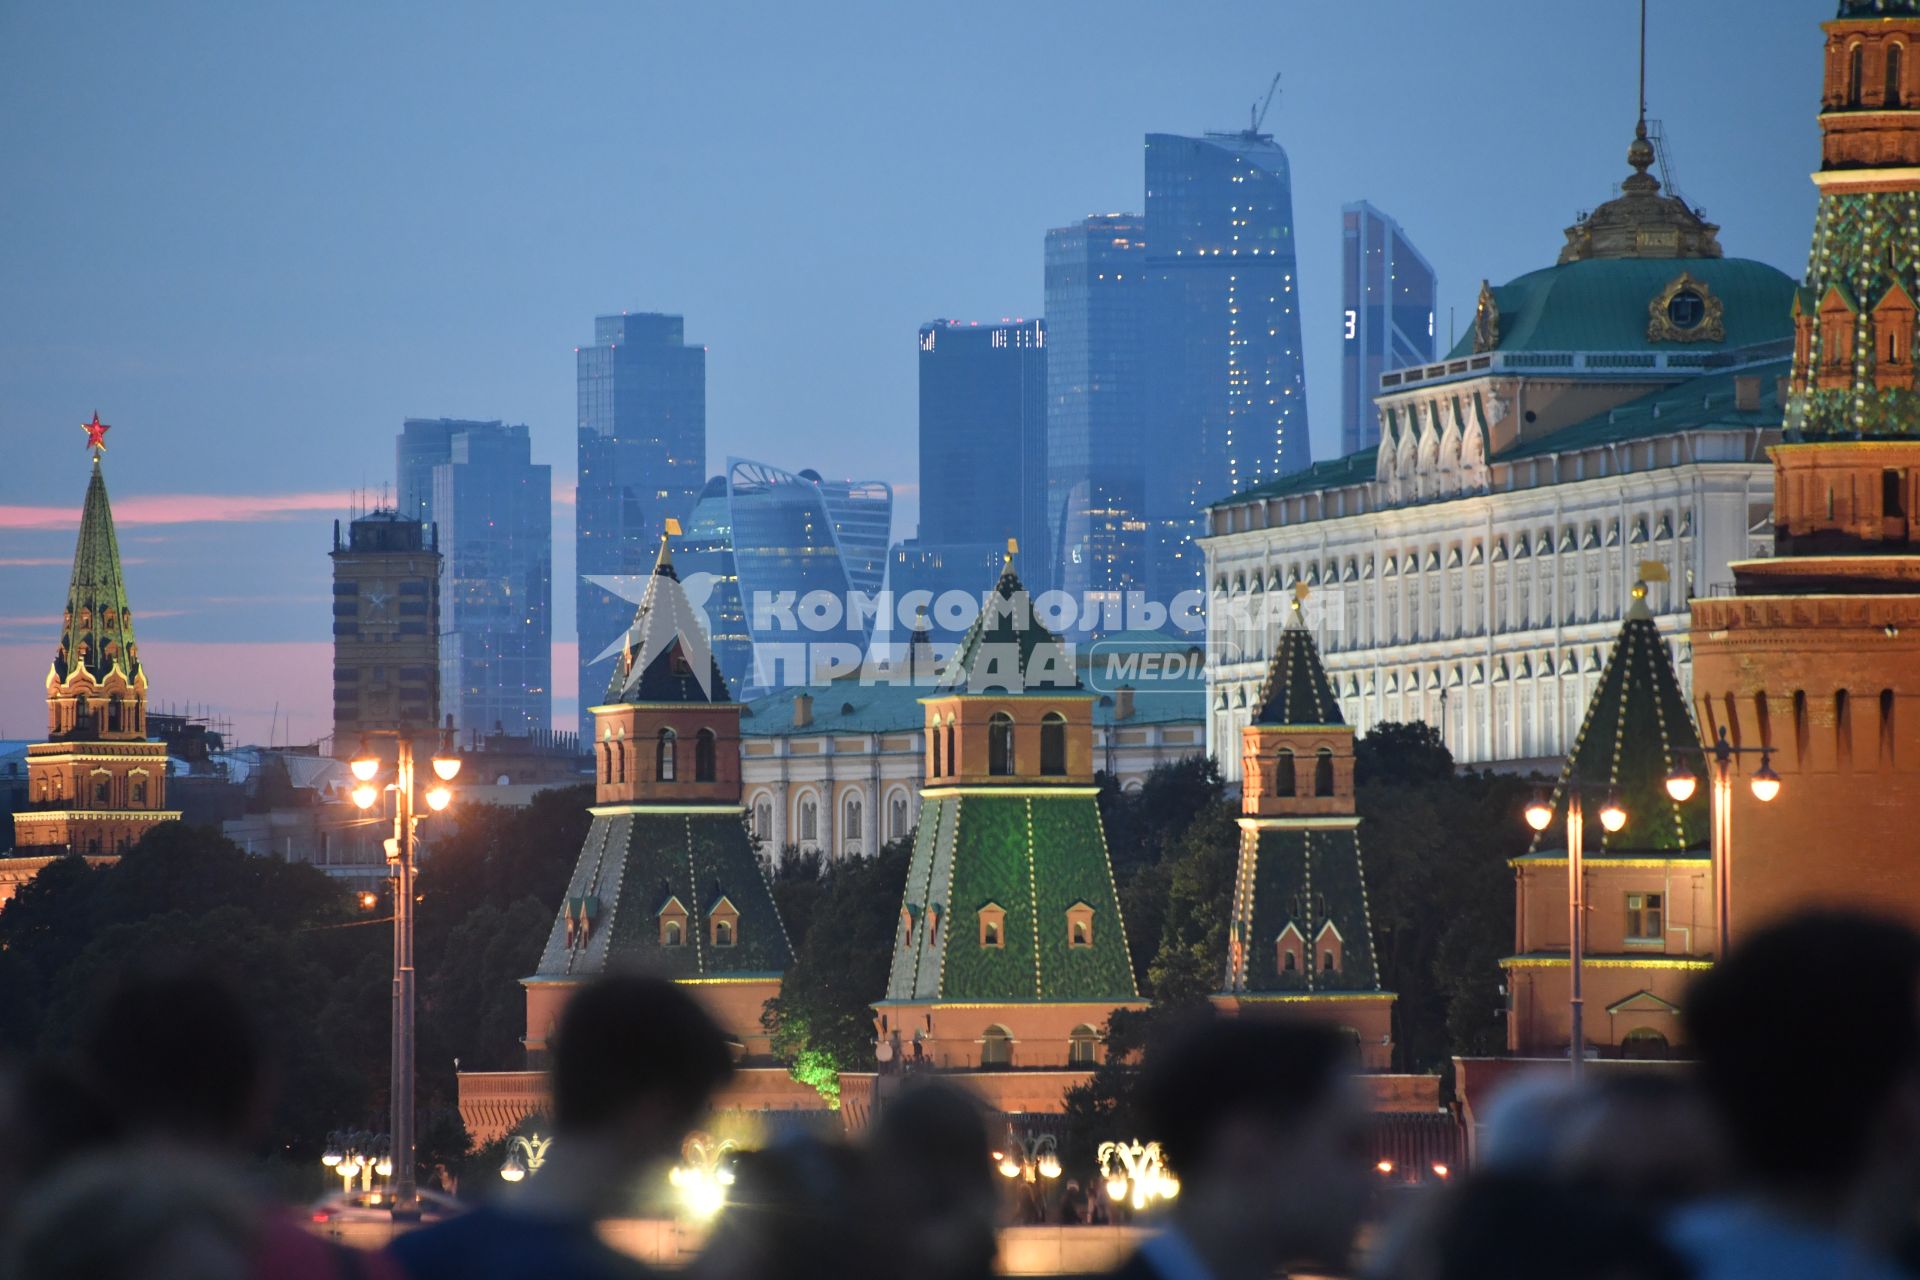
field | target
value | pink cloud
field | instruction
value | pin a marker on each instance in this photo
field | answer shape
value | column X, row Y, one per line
column 183, row 508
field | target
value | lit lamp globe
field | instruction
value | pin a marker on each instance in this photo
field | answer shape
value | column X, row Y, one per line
column 446, row 763
column 1612, row 816
column 1539, row 813
column 1009, row 1167
column 364, row 763
column 365, row 794
column 439, row 797
column 1681, row 783
column 1049, row 1167
column 1765, row 782
column 513, row 1170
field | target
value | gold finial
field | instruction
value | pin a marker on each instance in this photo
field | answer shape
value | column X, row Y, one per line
column 673, row 527
column 1013, row 547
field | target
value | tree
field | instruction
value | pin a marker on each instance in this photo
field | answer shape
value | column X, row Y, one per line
column 1410, row 754
column 1191, row 960
column 822, row 1020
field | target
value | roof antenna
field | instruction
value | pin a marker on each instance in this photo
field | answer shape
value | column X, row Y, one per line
column 1643, row 68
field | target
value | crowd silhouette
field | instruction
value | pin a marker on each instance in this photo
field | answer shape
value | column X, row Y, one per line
column 1789, row 1145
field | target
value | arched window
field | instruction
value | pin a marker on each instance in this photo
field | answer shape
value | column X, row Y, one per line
column 1283, row 773
column 809, row 823
column 606, row 754
column 763, row 819
column 1053, row 745
column 722, row 933
column 896, row 817
column 663, row 765
column 101, row 791
column 1323, row 772
column 853, row 822
column 996, row 1047
column 1856, row 74
column 934, row 735
column 1000, row 745
column 139, row 791
column 703, row 756
column 1082, row 1043
column 953, row 757
column 619, row 762
column 670, row 933
column 1643, row 1042
column 1290, row 960
column 1328, row 962
column 1896, row 92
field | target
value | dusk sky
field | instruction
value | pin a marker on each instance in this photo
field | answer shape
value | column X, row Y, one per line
column 257, row 236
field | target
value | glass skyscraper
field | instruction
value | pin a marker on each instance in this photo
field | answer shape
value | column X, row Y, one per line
column 494, row 508
column 643, row 459
column 770, row 539
column 1229, row 381
column 1098, row 415
column 1389, row 291
column 983, row 437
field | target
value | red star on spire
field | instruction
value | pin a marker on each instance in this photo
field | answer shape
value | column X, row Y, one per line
column 96, row 432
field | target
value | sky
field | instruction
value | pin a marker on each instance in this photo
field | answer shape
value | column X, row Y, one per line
column 256, row 236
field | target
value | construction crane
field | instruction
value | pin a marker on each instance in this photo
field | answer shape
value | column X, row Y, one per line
column 1257, row 113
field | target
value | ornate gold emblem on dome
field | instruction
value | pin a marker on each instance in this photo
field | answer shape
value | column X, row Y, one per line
column 1486, row 320
column 1686, row 311
column 1640, row 222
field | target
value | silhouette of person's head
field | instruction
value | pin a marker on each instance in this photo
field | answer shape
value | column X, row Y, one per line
column 935, row 1177
column 1508, row 1227
column 1808, row 1041
column 635, row 1061
column 179, row 1056
column 1265, row 1127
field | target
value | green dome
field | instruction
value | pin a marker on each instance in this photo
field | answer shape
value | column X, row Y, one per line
column 1607, row 304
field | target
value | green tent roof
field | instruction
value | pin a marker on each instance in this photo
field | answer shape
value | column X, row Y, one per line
column 1008, row 650
column 1638, row 727
column 665, row 640
column 1296, row 691
column 97, row 630
column 1308, row 879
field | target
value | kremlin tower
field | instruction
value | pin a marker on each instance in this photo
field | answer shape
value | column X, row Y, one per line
column 96, row 785
column 667, row 881
column 1300, row 938
column 1817, row 654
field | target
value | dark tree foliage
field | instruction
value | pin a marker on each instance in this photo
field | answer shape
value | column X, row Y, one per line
column 798, row 887
column 1142, row 829
column 1403, row 754
column 822, row 1020
column 314, row 966
column 1191, row 960
column 1104, row 1108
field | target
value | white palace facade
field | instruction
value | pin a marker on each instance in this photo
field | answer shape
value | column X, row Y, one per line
column 1610, row 411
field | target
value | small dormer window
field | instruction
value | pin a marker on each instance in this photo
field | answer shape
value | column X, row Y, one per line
column 673, row 924
column 723, row 923
column 993, row 926
column 1079, row 926
column 722, row 933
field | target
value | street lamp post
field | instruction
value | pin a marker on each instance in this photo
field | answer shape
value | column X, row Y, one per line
column 400, row 853
column 1765, row 785
column 1612, row 817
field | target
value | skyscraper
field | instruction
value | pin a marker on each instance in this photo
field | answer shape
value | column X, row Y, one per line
column 1389, row 290
column 386, row 627
column 643, row 458
column 1229, row 408
column 1097, row 409
column 494, row 507
column 983, row 435
column 762, row 540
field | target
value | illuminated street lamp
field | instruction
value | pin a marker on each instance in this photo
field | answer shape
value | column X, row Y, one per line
column 1029, row 1157
column 1539, row 815
column 1136, row 1173
column 365, row 767
column 358, row 1157
column 525, row 1156
column 1765, row 785
column 704, row 1174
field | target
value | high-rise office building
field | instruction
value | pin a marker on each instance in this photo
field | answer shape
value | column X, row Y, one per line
column 983, row 436
column 1229, row 408
column 643, row 459
column 1097, row 409
column 1388, row 290
column 493, row 505
column 386, row 627
column 761, row 541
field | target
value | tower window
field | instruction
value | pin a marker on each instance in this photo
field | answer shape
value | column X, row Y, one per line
column 1856, row 74
column 664, row 756
column 996, row 1047
column 1893, row 494
column 1000, row 745
column 993, row 926
column 933, row 736
column 1896, row 94
column 139, row 791
column 1082, row 1044
column 1079, row 926
column 619, row 762
column 1053, row 745
column 1323, row 772
column 703, row 756
column 1283, row 783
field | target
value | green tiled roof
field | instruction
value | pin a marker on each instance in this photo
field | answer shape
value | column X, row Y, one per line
column 1638, row 727
column 1033, row 857
column 664, row 627
column 1007, row 650
column 1355, row 468
column 1704, row 401
column 633, row 865
column 1296, row 691
column 1306, row 878
column 98, row 626
column 1600, row 304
